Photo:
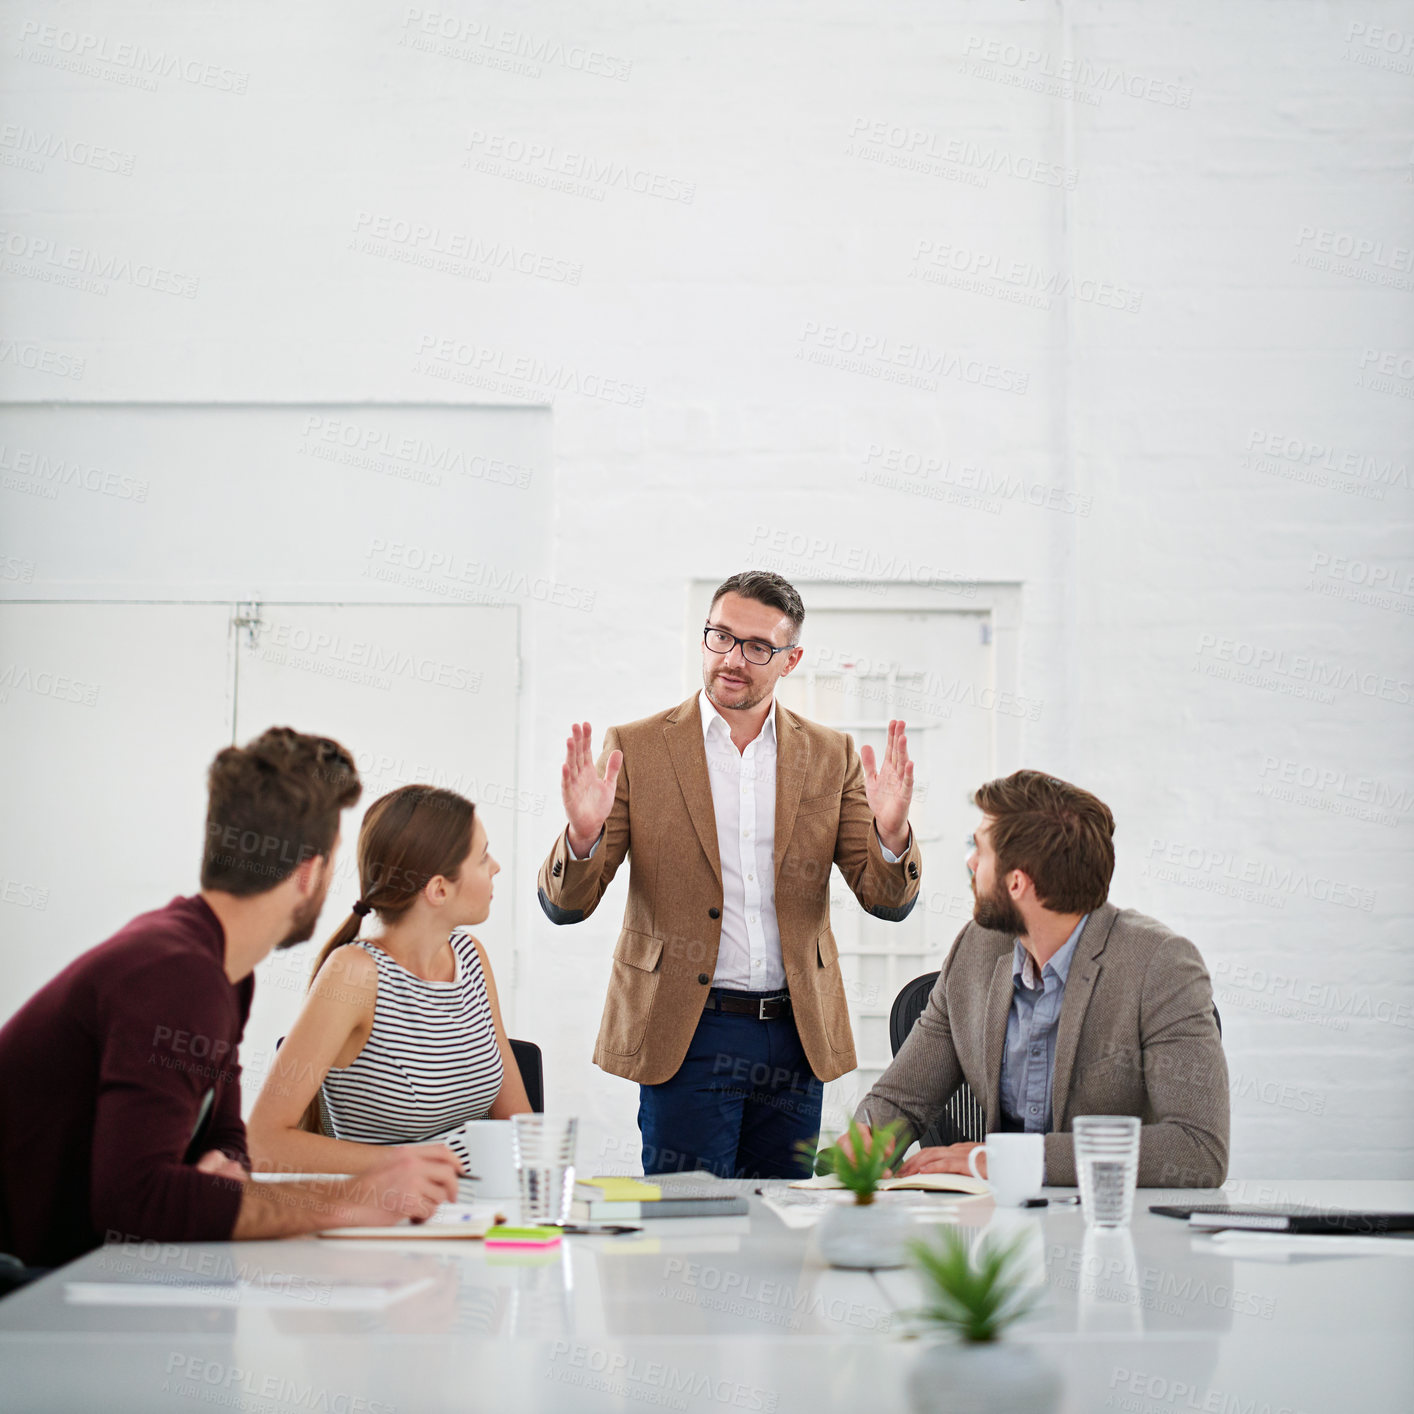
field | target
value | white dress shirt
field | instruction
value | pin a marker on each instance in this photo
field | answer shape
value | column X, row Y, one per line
column 744, row 803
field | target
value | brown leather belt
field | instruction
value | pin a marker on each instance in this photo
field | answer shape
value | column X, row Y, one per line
column 762, row 1008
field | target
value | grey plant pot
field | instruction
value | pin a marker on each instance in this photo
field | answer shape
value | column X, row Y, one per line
column 959, row 1377
column 864, row 1236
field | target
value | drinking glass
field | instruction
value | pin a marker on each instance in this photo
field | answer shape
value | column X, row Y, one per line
column 1107, row 1165
column 544, row 1155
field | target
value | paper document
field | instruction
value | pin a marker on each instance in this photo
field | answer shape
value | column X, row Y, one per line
column 1235, row 1242
column 288, row 1292
column 797, row 1210
column 450, row 1220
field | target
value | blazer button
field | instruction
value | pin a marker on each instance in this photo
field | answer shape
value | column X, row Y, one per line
column 703, row 978
column 714, row 913
column 912, row 871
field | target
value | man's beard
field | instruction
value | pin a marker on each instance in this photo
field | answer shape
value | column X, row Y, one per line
column 996, row 910
column 302, row 924
column 710, row 683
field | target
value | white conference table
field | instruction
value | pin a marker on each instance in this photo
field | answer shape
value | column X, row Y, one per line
column 740, row 1313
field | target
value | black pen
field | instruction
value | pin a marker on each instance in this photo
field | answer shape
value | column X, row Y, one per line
column 1048, row 1202
column 597, row 1229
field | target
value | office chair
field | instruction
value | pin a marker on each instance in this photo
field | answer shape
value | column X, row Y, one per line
column 963, row 1120
column 527, row 1055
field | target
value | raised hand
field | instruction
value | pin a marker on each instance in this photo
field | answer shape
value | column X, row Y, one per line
column 889, row 789
column 588, row 797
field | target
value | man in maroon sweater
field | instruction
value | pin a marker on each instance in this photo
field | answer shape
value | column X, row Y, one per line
column 120, row 1100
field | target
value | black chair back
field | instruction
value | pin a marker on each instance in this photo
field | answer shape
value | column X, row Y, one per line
column 908, row 1007
column 963, row 1120
column 14, row 1274
column 527, row 1055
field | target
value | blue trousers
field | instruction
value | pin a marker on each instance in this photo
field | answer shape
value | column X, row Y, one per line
column 742, row 1099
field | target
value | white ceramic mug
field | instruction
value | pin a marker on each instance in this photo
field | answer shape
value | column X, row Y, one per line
column 492, row 1153
column 1016, row 1166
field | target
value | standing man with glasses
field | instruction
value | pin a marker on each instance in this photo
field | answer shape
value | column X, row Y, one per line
column 725, row 1001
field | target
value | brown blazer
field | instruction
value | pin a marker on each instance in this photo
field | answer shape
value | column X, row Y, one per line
column 662, row 819
column 1137, row 1036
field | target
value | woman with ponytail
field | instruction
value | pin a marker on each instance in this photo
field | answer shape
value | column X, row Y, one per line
column 400, row 1040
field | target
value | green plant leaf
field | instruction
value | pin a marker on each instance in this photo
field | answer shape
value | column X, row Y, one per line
column 975, row 1292
column 869, row 1165
column 818, row 1159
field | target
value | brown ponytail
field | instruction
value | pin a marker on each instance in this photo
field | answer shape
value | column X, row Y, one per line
column 408, row 836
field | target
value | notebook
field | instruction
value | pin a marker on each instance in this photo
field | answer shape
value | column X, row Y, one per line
column 1286, row 1217
column 1299, row 1219
column 613, row 1198
column 925, row 1182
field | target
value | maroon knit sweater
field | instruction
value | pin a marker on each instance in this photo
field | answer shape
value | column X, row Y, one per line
column 102, row 1077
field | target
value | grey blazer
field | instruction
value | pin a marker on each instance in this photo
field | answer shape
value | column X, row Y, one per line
column 1137, row 1036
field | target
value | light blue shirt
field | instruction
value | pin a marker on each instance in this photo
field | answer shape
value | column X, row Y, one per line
column 1029, row 1060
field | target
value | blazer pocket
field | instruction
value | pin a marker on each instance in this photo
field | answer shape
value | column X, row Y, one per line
column 830, row 994
column 640, row 950
column 813, row 804
column 632, row 987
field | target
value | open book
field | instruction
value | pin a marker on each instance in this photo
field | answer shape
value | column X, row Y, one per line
column 925, row 1182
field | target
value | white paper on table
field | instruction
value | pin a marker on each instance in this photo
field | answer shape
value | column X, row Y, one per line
column 456, row 1221
column 288, row 1293
column 1235, row 1243
column 300, row 1177
column 797, row 1210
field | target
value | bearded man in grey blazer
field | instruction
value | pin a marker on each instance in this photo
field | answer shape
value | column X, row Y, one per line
column 1054, row 1003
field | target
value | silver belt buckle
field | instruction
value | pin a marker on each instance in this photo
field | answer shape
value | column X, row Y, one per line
column 761, row 1008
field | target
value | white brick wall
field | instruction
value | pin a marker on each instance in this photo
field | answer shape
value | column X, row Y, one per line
column 1225, row 396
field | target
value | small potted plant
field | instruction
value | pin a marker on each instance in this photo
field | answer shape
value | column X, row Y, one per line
column 974, row 1294
column 862, row 1234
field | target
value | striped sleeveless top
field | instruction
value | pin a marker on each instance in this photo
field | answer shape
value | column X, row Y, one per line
column 430, row 1063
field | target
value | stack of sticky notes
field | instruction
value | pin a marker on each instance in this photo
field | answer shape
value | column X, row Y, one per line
column 682, row 1196
column 618, row 1188
column 523, row 1239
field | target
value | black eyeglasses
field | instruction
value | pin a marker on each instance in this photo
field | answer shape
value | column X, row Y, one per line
column 718, row 640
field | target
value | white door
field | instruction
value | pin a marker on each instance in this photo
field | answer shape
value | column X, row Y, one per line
column 933, row 668
column 417, row 693
column 111, row 713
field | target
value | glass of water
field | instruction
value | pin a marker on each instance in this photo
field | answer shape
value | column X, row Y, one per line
column 544, row 1155
column 1107, row 1165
